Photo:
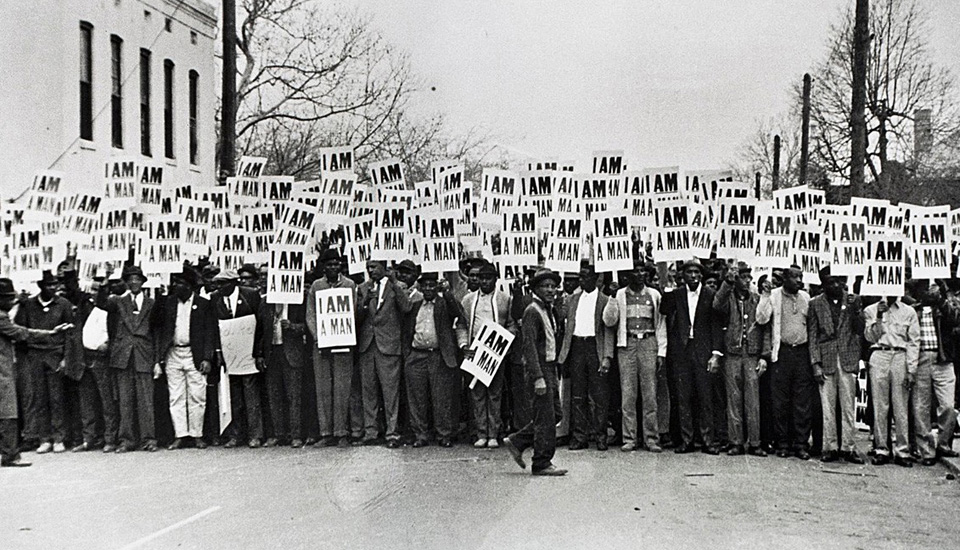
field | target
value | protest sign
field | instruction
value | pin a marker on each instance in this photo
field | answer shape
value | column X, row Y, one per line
column 612, row 244
column 490, row 346
column 499, row 190
column 285, row 275
column 120, row 180
column 597, row 192
column 26, row 254
column 336, row 159
column 45, row 198
column 703, row 185
column 518, row 240
column 150, row 188
column 564, row 242
column 81, row 218
column 390, row 232
column 566, row 189
column 358, row 238
column 879, row 215
column 387, row 174
column 439, row 242
column 848, row 245
column 229, row 248
column 196, row 216
column 537, row 191
column 336, row 318
column 672, row 223
column 159, row 247
column 236, row 343
column 113, row 238
column 296, row 225
column 775, row 228
column 929, row 248
column 259, row 231
column 548, row 163
column 737, row 227
column 885, row 265
column 336, row 197
column 607, row 162
column 219, row 200
column 806, row 249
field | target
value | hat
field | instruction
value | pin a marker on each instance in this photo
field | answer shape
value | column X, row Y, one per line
column 487, row 268
column 48, row 279
column 209, row 271
column 743, row 268
column 69, row 275
column 407, row 266
column 329, row 255
column 250, row 269
column 228, row 275
column 544, row 275
column 429, row 276
column 6, row 288
column 691, row 263
column 188, row 276
column 132, row 271
column 467, row 263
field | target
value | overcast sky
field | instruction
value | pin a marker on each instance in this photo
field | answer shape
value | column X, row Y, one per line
column 669, row 82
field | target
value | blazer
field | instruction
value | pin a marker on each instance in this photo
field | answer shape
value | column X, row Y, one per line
column 294, row 346
column 204, row 332
column 134, row 334
column 828, row 342
column 612, row 317
column 604, row 334
column 770, row 309
column 10, row 333
column 248, row 303
column 381, row 323
column 758, row 336
column 707, row 326
column 449, row 321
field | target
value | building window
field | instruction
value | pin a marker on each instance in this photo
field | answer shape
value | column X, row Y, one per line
column 194, row 98
column 86, row 81
column 193, row 37
column 116, row 90
column 145, row 102
column 168, row 109
column 168, row 24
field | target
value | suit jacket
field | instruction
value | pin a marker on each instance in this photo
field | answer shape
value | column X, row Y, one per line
column 9, row 334
column 204, row 333
column 248, row 303
column 294, row 347
column 449, row 321
column 827, row 341
column 134, row 334
column 707, row 326
column 381, row 323
column 758, row 336
column 604, row 334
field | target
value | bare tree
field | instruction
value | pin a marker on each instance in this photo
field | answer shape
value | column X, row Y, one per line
column 901, row 79
column 756, row 153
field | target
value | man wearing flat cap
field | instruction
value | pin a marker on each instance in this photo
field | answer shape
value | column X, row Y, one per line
column 231, row 301
column 186, row 348
column 542, row 337
column 336, row 375
column 132, row 318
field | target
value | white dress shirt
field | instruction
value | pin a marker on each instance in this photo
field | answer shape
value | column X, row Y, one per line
column 181, row 329
column 585, row 320
column 693, row 298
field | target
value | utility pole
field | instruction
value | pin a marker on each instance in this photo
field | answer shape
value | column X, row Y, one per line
column 756, row 186
column 776, row 162
column 858, row 123
column 805, row 130
column 228, row 111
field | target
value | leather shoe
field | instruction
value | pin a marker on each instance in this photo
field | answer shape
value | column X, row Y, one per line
column 82, row 448
column 109, row 448
column 550, row 470
column 124, row 448
column 627, row 447
column 684, row 449
column 492, row 443
column 929, row 461
column 15, row 463
column 480, row 443
column 149, row 447
column 654, row 448
column 577, row 445
column 757, row 451
column 343, row 442
column 802, row 454
column 44, row 448
column 852, row 457
column 947, row 453
column 59, row 447
column 230, row 444
column 445, row 443
column 880, row 460
column 420, row 443
column 296, row 443
column 901, row 461
column 310, row 441
column 175, row 444
column 515, row 452
column 829, row 456
column 735, row 450
column 253, row 443
column 711, row 450
column 393, row 443
column 271, row 442
column 602, row 445
column 199, row 443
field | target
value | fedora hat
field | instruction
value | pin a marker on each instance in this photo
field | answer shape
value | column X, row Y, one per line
column 48, row 278
column 6, row 288
column 132, row 271
column 544, row 275
column 691, row 263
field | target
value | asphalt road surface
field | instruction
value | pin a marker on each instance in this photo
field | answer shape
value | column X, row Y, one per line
column 373, row 497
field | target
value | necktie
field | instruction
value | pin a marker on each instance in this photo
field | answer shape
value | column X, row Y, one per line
column 136, row 308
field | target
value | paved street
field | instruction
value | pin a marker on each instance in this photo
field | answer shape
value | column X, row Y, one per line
column 371, row 498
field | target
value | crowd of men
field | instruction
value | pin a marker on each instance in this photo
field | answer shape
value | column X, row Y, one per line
column 691, row 357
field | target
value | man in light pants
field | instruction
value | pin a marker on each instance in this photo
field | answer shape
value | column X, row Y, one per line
column 834, row 330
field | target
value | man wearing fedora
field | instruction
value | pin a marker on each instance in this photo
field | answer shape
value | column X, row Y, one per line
column 11, row 333
column 186, row 349
column 131, row 317
column 694, row 340
column 542, row 337
column 42, row 365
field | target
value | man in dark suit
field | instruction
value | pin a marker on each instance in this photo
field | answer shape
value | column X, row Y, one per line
column 231, row 301
column 586, row 354
column 284, row 327
column 381, row 301
column 132, row 319
column 694, row 338
column 186, row 348
column 430, row 346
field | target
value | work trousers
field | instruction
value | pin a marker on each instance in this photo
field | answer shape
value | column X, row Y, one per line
column 381, row 378
column 566, row 406
column 840, row 386
column 284, row 386
column 541, row 431
column 135, row 391
column 743, row 398
column 694, row 390
column 589, row 389
column 98, row 399
column 9, row 446
column 188, row 393
column 518, row 393
column 888, row 371
column 487, row 404
column 431, row 384
column 42, row 397
column 663, row 403
column 333, row 376
column 792, row 388
column 245, row 404
column 638, row 378
column 934, row 379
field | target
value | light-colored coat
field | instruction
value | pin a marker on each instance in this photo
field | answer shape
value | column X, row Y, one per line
column 771, row 308
column 614, row 314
